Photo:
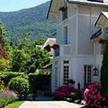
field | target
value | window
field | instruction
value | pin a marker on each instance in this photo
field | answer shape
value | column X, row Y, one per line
column 66, row 62
column 57, row 52
column 66, row 35
column 87, row 74
column 66, row 72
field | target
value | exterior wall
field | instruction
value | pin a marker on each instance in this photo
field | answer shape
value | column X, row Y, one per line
column 80, row 22
column 86, row 27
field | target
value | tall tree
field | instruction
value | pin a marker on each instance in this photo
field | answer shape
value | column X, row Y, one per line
column 3, row 52
column 104, row 70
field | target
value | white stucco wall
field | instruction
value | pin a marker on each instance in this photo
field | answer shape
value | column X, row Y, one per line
column 80, row 22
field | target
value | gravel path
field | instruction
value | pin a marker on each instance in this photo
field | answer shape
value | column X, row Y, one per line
column 49, row 104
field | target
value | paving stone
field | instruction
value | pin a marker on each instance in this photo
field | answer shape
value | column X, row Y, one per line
column 49, row 104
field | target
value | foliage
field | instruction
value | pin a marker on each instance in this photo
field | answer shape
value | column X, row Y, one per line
column 104, row 71
column 40, row 41
column 1, row 87
column 28, row 56
column 20, row 85
column 5, row 77
column 3, row 53
column 4, row 64
column 66, row 91
column 38, row 82
column 19, row 60
column 15, row 104
column 93, row 96
column 28, row 20
column 7, row 97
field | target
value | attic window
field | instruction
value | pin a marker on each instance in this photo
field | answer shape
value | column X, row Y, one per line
column 64, row 12
column 101, row 1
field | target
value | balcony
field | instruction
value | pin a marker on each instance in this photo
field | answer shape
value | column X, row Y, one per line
column 63, row 50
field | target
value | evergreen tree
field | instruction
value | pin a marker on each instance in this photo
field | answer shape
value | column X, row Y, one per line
column 104, row 70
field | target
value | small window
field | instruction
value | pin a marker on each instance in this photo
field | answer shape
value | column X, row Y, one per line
column 66, row 35
column 66, row 62
column 66, row 71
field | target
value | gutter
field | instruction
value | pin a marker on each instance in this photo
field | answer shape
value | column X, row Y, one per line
column 49, row 8
column 79, row 2
column 88, row 3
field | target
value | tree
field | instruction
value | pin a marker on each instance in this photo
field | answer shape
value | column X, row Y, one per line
column 3, row 52
column 39, row 58
column 28, row 56
column 104, row 71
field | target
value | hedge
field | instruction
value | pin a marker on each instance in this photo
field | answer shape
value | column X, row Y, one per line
column 5, row 77
column 19, row 85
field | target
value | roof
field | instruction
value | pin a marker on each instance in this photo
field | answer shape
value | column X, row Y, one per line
column 83, row 2
column 89, row 2
column 50, row 42
column 104, row 14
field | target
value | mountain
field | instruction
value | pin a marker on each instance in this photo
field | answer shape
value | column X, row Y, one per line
column 31, row 20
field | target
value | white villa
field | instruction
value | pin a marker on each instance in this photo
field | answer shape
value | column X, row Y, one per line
column 81, row 32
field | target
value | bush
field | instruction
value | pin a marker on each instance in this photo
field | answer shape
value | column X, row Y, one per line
column 93, row 97
column 20, row 85
column 67, row 92
column 5, row 77
column 7, row 97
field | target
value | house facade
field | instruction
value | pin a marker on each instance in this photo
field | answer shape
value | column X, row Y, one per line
column 78, row 51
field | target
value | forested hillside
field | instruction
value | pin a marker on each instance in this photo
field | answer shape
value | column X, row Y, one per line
column 32, row 20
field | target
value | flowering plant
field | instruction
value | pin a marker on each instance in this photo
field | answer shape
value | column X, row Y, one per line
column 64, row 91
column 93, row 97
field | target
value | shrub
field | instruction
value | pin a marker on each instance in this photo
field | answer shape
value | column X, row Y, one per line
column 20, row 85
column 5, row 77
column 67, row 92
column 93, row 97
column 7, row 97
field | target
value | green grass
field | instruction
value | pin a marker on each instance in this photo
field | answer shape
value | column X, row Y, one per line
column 14, row 104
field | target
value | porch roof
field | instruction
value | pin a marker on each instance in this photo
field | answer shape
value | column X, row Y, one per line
column 101, row 19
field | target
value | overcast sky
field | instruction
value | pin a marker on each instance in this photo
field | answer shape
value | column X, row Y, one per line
column 14, row 5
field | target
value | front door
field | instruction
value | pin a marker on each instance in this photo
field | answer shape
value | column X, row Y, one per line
column 87, row 74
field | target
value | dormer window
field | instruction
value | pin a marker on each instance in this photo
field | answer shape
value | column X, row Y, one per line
column 64, row 12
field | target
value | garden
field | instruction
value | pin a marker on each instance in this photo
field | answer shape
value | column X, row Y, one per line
column 22, row 76
column 21, row 65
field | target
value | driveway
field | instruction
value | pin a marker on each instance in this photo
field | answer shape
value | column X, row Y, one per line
column 49, row 104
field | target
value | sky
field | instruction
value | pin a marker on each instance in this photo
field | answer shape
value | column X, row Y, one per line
column 14, row 5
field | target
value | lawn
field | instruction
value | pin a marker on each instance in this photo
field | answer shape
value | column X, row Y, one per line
column 14, row 104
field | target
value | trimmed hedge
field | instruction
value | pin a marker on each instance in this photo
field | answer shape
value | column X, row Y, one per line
column 38, row 82
column 5, row 77
column 20, row 85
